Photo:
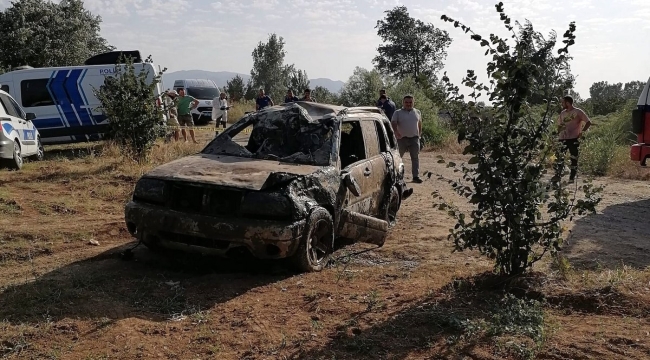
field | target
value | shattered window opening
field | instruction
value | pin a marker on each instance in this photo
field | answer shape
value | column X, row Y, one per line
column 287, row 135
column 371, row 138
column 352, row 145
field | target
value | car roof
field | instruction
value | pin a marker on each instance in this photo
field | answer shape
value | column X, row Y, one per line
column 318, row 110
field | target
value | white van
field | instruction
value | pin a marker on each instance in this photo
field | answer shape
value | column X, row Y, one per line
column 203, row 90
column 63, row 100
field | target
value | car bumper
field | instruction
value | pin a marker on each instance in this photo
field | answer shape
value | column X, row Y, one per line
column 640, row 152
column 6, row 148
column 210, row 235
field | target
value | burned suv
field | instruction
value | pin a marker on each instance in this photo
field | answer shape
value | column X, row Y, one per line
column 306, row 175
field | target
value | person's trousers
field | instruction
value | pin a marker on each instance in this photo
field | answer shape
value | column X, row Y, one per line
column 412, row 145
column 573, row 146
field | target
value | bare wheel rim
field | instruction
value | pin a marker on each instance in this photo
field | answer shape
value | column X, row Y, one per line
column 392, row 209
column 18, row 157
column 317, row 247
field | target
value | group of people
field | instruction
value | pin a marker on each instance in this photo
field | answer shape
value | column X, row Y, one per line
column 179, row 112
column 406, row 121
column 263, row 101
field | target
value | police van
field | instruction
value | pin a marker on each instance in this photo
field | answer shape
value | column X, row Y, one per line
column 641, row 126
column 63, row 100
column 204, row 91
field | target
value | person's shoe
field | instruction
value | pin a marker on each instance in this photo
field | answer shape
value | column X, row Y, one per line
column 417, row 180
column 408, row 192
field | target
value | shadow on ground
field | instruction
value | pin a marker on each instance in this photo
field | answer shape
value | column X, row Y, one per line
column 471, row 318
column 618, row 236
column 151, row 286
column 74, row 151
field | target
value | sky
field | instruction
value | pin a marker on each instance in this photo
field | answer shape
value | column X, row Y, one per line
column 329, row 38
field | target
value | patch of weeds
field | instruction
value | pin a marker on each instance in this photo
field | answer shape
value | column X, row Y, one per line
column 10, row 207
column 373, row 301
column 563, row 266
column 62, row 209
column 316, row 325
column 13, row 346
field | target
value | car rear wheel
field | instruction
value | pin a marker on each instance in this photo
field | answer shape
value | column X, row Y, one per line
column 316, row 244
column 40, row 152
column 16, row 162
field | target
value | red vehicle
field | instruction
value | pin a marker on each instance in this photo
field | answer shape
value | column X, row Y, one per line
column 641, row 127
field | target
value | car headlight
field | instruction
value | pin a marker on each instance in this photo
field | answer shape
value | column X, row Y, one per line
column 150, row 190
column 267, row 206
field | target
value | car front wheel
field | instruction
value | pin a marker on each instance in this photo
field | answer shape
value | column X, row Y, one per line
column 317, row 242
column 40, row 152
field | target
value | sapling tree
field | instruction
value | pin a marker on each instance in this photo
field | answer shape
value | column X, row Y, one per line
column 519, row 203
column 128, row 99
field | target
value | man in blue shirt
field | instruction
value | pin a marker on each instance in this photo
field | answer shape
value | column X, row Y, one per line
column 263, row 101
column 381, row 93
column 387, row 105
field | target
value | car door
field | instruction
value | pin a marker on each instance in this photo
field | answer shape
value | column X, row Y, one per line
column 358, row 221
column 375, row 150
column 28, row 131
column 16, row 122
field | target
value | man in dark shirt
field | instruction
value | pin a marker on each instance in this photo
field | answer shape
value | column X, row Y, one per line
column 290, row 97
column 387, row 105
column 263, row 101
column 381, row 93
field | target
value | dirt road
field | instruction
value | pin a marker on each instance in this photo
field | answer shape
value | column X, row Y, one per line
column 63, row 298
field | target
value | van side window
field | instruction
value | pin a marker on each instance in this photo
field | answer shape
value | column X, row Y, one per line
column 5, row 88
column 34, row 93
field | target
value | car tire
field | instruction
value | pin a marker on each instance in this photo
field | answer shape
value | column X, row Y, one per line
column 16, row 162
column 40, row 152
column 393, row 206
column 316, row 244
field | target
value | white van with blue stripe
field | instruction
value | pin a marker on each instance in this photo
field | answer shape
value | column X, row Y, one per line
column 63, row 100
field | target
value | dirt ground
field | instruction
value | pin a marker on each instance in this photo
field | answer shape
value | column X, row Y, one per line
column 62, row 297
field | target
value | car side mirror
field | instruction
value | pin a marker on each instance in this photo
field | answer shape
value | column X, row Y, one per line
column 30, row 116
column 351, row 184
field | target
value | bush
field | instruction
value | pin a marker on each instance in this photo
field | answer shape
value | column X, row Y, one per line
column 518, row 212
column 129, row 102
column 434, row 133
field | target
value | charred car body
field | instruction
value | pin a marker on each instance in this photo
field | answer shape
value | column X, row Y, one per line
column 308, row 174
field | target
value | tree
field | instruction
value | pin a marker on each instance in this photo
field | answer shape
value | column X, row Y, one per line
column 411, row 47
column 362, row 88
column 251, row 91
column 43, row 33
column 633, row 89
column 298, row 81
column 128, row 100
column 518, row 213
column 269, row 71
column 323, row 95
column 605, row 97
column 235, row 88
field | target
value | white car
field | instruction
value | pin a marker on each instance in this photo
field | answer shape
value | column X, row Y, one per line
column 19, row 137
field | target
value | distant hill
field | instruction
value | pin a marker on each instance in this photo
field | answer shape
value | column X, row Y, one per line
column 222, row 77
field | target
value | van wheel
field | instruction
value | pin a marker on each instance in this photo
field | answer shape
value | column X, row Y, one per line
column 16, row 162
column 316, row 244
column 40, row 152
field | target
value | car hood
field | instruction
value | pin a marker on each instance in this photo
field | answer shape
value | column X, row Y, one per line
column 231, row 171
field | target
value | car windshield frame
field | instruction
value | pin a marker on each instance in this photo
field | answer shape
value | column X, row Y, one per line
column 328, row 128
column 203, row 91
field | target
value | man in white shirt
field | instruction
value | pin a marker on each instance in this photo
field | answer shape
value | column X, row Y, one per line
column 407, row 125
column 220, row 110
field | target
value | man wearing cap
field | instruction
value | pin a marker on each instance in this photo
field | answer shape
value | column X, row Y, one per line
column 169, row 99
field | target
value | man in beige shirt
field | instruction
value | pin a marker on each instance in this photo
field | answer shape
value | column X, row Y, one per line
column 570, row 131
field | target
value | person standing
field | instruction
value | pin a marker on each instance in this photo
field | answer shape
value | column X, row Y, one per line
column 382, row 92
column 262, row 101
column 387, row 105
column 407, row 125
column 170, row 99
column 186, row 104
column 571, row 130
column 290, row 97
column 220, row 110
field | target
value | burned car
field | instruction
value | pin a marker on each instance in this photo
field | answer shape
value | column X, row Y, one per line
column 307, row 174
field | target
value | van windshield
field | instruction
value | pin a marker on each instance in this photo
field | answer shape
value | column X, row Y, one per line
column 203, row 93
